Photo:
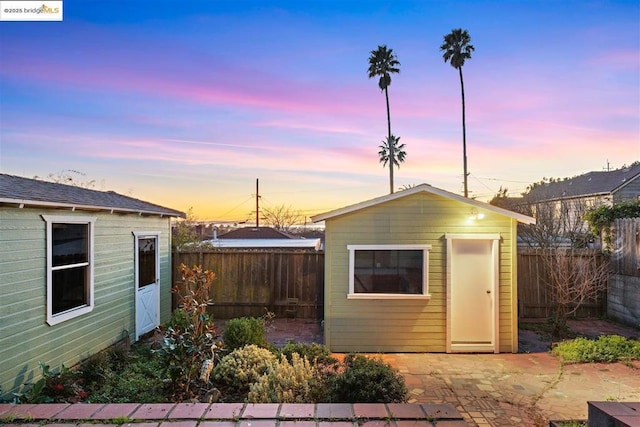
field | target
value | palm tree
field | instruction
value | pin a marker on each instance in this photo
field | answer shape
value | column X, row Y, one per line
column 382, row 63
column 456, row 50
column 392, row 153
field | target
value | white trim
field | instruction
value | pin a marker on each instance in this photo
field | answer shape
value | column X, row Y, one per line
column 426, row 188
column 425, row 271
column 73, row 206
column 137, row 235
column 471, row 236
column 79, row 311
column 494, row 346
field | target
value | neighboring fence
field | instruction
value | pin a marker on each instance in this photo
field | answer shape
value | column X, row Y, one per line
column 249, row 282
column 534, row 296
column 623, row 295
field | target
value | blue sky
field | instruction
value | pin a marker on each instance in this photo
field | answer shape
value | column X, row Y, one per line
column 185, row 104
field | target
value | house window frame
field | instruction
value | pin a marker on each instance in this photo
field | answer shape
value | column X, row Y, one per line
column 89, row 221
column 425, row 295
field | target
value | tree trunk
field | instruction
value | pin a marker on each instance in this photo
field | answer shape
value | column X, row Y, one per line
column 464, row 137
column 391, row 153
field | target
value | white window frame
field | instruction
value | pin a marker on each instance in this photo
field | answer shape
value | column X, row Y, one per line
column 425, row 271
column 78, row 311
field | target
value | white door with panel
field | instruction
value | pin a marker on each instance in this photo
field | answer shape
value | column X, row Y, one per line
column 472, row 293
column 147, row 283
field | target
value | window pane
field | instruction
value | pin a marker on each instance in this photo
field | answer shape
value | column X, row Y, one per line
column 70, row 244
column 388, row 271
column 146, row 261
column 69, row 289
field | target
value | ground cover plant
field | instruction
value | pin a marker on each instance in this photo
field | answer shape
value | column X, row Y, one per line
column 605, row 349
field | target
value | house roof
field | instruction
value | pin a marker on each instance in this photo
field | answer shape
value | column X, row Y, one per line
column 266, row 243
column 255, row 233
column 20, row 191
column 423, row 188
column 589, row 184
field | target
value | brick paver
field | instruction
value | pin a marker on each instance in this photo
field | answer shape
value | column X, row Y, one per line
column 188, row 410
column 115, row 410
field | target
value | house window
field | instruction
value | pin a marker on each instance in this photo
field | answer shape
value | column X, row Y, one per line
column 388, row 271
column 69, row 267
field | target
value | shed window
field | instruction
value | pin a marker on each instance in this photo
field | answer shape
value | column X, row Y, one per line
column 388, row 271
column 69, row 267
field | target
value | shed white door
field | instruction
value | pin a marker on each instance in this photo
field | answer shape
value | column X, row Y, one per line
column 472, row 293
column 147, row 284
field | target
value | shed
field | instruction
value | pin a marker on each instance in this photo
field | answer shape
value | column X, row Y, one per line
column 421, row 270
column 79, row 271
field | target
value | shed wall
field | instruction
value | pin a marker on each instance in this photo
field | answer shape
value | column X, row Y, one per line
column 391, row 325
column 25, row 337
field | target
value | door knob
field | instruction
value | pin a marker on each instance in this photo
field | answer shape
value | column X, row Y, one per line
column 488, row 291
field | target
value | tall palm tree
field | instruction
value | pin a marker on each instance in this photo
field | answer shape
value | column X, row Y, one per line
column 383, row 63
column 456, row 49
column 392, row 153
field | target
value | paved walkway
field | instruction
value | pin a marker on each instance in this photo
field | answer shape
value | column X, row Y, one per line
column 231, row 415
column 525, row 389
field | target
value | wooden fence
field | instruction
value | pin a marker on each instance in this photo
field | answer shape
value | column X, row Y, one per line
column 534, row 296
column 625, row 257
column 623, row 294
column 248, row 283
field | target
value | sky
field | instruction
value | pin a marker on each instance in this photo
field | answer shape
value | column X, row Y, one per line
column 187, row 104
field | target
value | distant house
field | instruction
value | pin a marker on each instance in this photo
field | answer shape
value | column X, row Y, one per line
column 421, row 270
column 261, row 238
column 79, row 270
column 569, row 199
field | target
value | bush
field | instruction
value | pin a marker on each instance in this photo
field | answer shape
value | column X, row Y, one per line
column 242, row 367
column 189, row 338
column 243, row 331
column 368, row 380
column 606, row 349
column 285, row 382
column 315, row 353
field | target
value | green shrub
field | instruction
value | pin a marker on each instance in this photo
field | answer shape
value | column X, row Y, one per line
column 285, row 382
column 242, row 367
column 606, row 349
column 243, row 331
column 315, row 353
column 368, row 380
column 63, row 385
column 189, row 339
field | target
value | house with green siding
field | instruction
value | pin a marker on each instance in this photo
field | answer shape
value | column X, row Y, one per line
column 79, row 271
column 421, row 270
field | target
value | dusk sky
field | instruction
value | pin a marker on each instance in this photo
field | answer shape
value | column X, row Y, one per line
column 186, row 103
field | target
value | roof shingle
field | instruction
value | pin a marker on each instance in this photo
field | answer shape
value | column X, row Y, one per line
column 27, row 191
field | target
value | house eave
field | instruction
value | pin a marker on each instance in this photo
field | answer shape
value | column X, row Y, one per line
column 22, row 203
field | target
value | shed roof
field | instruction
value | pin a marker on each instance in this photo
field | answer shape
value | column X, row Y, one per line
column 422, row 188
column 589, row 184
column 20, row 191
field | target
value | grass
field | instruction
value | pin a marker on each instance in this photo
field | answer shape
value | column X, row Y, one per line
column 606, row 349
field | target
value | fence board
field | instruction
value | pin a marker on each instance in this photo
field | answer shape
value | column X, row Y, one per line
column 534, row 297
column 250, row 282
column 626, row 244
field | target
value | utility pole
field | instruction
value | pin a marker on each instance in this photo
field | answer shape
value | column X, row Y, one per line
column 257, row 211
